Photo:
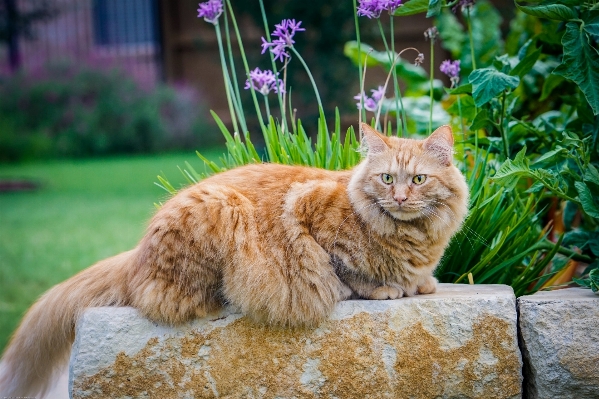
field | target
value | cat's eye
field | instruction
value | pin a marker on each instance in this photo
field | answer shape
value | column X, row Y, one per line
column 419, row 179
column 387, row 178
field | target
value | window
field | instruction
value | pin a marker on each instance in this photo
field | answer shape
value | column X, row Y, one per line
column 119, row 22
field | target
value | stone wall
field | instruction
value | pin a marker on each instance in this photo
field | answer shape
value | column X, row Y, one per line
column 458, row 343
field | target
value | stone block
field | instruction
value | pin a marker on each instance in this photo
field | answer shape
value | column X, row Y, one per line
column 458, row 343
column 560, row 343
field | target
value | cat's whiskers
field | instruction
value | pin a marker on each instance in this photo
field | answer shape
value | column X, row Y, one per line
column 473, row 232
column 430, row 209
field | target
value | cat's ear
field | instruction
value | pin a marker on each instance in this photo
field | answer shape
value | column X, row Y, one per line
column 440, row 145
column 374, row 140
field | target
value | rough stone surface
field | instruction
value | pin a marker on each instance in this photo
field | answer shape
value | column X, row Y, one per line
column 458, row 343
column 560, row 343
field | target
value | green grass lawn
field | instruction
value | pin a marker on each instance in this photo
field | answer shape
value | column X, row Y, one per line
column 86, row 210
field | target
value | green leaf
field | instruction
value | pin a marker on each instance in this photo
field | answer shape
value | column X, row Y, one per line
column 434, row 8
column 592, row 26
column 594, row 277
column 526, row 64
column 557, row 12
column 582, row 282
column 592, row 174
column 550, row 84
column 463, row 89
column 488, row 83
column 412, row 7
column 580, row 64
column 586, row 200
column 481, row 120
column 511, row 170
column 466, row 103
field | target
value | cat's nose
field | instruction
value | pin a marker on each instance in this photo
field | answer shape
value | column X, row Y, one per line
column 401, row 199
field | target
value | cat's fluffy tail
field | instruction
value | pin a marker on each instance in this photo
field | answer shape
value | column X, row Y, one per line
column 40, row 347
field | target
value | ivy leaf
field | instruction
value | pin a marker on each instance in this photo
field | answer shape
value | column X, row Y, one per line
column 488, row 83
column 586, row 283
column 434, row 8
column 412, row 7
column 586, row 200
column 580, row 64
column 557, row 12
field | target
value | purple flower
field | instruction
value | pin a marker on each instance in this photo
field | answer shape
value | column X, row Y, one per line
column 284, row 33
column 371, row 103
column 463, row 4
column 264, row 82
column 374, row 8
column 451, row 69
column 210, row 11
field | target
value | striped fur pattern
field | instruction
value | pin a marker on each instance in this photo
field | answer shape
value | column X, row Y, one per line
column 283, row 244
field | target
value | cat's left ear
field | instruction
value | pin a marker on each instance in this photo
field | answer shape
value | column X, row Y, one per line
column 440, row 145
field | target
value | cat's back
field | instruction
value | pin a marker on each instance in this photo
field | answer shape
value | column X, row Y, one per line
column 268, row 181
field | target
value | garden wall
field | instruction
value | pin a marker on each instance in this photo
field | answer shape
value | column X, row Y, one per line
column 460, row 342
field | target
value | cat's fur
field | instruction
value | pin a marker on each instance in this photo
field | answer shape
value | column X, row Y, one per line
column 283, row 244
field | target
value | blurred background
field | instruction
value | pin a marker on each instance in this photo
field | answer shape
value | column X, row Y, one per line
column 98, row 97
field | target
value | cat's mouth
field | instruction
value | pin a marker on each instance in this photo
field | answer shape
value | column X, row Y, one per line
column 403, row 211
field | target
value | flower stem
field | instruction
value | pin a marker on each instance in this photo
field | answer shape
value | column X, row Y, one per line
column 226, row 78
column 274, row 67
column 357, row 24
column 267, row 107
column 469, row 23
column 430, row 116
column 403, row 111
column 400, row 129
column 299, row 57
column 245, row 64
column 240, row 113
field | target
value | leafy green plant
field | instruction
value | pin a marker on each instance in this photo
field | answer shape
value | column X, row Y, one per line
column 591, row 282
column 503, row 240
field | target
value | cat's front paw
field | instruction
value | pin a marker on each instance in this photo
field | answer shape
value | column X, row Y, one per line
column 386, row 292
column 428, row 286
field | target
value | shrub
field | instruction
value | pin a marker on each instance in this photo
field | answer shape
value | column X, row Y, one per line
column 73, row 111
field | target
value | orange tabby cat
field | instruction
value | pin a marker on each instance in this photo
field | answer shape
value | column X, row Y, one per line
column 283, row 244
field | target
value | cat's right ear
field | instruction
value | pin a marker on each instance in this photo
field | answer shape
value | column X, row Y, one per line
column 374, row 140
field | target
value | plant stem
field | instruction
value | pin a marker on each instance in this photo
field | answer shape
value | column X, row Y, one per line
column 548, row 245
column 310, row 76
column 357, row 24
column 267, row 107
column 506, row 144
column 395, row 83
column 245, row 64
column 469, row 23
column 274, row 67
column 398, row 93
column 240, row 113
column 226, row 76
column 430, row 117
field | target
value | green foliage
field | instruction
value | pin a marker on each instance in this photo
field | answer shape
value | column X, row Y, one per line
column 68, row 110
column 499, row 243
column 580, row 62
column 591, row 282
column 487, row 83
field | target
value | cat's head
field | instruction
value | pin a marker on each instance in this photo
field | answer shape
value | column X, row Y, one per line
column 411, row 179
